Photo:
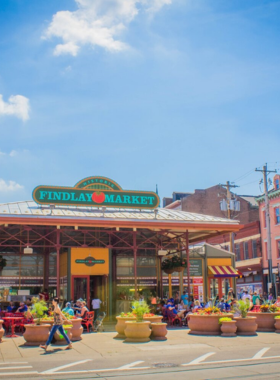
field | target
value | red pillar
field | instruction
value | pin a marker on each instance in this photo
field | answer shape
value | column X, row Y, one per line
column 57, row 263
column 188, row 263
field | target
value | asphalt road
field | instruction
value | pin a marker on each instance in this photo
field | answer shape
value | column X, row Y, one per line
column 99, row 356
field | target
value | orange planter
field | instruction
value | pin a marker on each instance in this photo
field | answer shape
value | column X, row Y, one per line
column 120, row 326
column 228, row 328
column 265, row 321
column 206, row 324
column 35, row 335
column 246, row 326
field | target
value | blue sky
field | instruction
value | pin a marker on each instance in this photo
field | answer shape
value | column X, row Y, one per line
column 180, row 93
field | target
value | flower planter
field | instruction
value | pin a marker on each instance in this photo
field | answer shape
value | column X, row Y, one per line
column 59, row 338
column 137, row 332
column 277, row 325
column 265, row 321
column 246, row 326
column 159, row 331
column 46, row 322
column 120, row 326
column 154, row 319
column 77, row 329
column 35, row 335
column 179, row 269
column 169, row 271
column 228, row 328
column 1, row 330
column 206, row 324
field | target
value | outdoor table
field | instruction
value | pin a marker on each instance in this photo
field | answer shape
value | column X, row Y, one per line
column 12, row 319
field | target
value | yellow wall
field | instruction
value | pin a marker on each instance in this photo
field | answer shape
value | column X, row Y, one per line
column 219, row 261
column 63, row 264
column 96, row 253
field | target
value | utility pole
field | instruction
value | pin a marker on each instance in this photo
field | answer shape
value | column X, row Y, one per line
column 267, row 217
column 231, row 239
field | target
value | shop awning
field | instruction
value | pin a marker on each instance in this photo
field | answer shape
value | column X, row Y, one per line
column 223, row 271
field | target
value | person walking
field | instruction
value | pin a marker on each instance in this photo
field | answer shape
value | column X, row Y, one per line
column 58, row 325
column 95, row 303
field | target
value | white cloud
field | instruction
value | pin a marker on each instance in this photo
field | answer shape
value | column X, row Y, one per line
column 12, row 153
column 6, row 186
column 17, row 105
column 97, row 23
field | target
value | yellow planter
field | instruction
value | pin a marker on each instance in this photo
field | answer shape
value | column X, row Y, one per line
column 120, row 326
column 206, row 324
column 137, row 332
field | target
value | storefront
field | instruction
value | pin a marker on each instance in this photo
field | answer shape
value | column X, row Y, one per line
column 96, row 238
column 252, row 276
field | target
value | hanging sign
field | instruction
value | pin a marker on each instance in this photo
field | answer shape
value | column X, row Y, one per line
column 95, row 191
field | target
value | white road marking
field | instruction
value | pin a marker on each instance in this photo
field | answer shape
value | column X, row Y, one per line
column 53, row 370
column 19, row 373
column 261, row 353
column 5, row 363
column 200, row 359
column 128, row 366
column 17, row 367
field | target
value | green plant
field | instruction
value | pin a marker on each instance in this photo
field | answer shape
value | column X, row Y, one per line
column 66, row 328
column 38, row 309
column 277, row 317
column 243, row 307
column 139, row 308
column 224, row 319
column 174, row 262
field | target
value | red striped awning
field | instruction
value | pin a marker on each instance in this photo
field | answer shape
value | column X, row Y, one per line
column 223, row 271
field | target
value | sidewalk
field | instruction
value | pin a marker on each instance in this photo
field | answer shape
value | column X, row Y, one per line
column 101, row 345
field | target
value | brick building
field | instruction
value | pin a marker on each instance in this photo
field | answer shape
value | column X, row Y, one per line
column 247, row 242
column 274, row 208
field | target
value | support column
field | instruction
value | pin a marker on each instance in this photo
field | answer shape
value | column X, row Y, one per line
column 135, row 262
column 57, row 263
column 188, row 262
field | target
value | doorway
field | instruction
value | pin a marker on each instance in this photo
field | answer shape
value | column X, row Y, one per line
column 86, row 287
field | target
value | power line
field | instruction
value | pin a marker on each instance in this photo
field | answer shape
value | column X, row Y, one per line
column 244, row 175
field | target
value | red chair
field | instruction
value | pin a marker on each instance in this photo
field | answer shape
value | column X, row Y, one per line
column 88, row 320
column 24, row 321
column 172, row 318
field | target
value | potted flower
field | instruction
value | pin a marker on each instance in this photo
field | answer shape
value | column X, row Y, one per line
column 174, row 264
column 120, row 326
column 228, row 326
column 265, row 317
column 206, row 322
column 153, row 318
column 277, row 324
column 246, row 325
column 36, row 334
column 138, row 330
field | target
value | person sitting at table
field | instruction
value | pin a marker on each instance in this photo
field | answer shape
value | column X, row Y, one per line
column 196, row 305
column 22, row 308
column 68, row 309
column 84, row 310
column 11, row 308
column 77, row 307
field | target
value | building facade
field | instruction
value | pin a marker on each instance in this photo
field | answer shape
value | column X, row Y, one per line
column 274, row 210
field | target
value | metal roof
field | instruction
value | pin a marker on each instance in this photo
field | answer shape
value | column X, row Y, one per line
column 32, row 209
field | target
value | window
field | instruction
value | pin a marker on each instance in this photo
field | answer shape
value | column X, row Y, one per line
column 277, row 184
column 278, row 248
column 254, row 248
column 237, row 251
column 246, row 250
column 277, row 215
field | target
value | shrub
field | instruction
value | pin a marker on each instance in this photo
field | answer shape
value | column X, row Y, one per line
column 277, row 317
column 224, row 319
column 139, row 308
column 243, row 307
column 38, row 310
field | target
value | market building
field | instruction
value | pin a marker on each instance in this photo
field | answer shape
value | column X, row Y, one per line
column 96, row 238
